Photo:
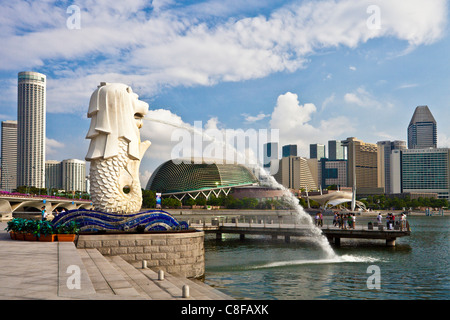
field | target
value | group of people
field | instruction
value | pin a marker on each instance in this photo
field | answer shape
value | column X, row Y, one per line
column 348, row 220
column 46, row 215
column 390, row 220
column 319, row 219
column 344, row 221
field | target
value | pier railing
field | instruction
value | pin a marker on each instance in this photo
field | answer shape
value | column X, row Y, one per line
column 220, row 225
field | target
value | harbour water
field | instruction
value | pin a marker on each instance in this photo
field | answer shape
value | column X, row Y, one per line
column 418, row 267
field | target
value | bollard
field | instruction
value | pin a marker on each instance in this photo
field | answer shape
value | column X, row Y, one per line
column 160, row 275
column 144, row 264
column 185, row 293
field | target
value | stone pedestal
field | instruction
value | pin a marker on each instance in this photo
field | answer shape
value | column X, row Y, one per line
column 173, row 252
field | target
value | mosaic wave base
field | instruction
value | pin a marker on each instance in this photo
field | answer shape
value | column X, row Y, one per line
column 92, row 221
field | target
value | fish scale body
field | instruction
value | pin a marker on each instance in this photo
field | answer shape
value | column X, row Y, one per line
column 106, row 190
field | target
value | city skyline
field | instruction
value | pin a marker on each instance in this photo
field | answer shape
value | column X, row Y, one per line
column 217, row 63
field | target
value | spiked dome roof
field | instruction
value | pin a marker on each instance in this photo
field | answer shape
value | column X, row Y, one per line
column 194, row 175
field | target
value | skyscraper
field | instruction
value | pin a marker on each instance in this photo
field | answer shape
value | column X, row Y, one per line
column 364, row 166
column 31, row 107
column 387, row 147
column 53, row 174
column 74, row 175
column 332, row 172
column 9, row 155
column 69, row 174
column 297, row 173
column 270, row 154
column 422, row 131
column 316, row 151
column 290, row 150
column 426, row 171
column 336, row 150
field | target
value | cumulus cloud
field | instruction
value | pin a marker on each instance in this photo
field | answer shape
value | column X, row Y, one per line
column 295, row 124
column 159, row 44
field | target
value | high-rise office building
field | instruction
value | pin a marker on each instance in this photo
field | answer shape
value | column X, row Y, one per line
column 395, row 185
column 297, row 173
column 74, row 175
column 386, row 147
column 53, row 174
column 336, row 150
column 422, row 129
column 290, row 150
column 9, row 155
column 364, row 166
column 270, row 155
column 426, row 171
column 69, row 175
column 316, row 151
column 332, row 172
column 31, row 107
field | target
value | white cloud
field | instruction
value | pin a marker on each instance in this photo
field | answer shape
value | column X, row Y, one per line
column 353, row 98
column 53, row 147
column 364, row 99
column 408, row 85
column 130, row 42
column 327, row 101
column 353, row 68
column 144, row 177
column 251, row 119
column 294, row 122
column 443, row 141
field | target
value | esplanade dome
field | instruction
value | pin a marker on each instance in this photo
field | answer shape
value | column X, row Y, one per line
column 195, row 175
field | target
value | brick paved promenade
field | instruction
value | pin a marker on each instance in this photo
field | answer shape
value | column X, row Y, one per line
column 43, row 270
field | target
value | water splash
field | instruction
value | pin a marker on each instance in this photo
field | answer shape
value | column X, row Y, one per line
column 302, row 216
column 333, row 260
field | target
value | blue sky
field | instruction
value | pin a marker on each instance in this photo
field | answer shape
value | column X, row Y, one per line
column 314, row 70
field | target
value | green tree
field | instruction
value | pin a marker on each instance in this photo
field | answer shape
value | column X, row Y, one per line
column 148, row 199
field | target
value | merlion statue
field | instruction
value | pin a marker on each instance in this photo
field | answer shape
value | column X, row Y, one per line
column 116, row 150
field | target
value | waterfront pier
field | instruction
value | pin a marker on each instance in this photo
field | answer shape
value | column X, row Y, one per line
column 333, row 234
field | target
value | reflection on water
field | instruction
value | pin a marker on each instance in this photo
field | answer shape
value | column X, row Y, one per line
column 259, row 268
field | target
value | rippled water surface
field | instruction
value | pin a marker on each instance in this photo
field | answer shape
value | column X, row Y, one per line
column 260, row 268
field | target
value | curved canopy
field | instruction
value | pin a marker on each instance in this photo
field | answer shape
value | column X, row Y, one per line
column 336, row 198
column 176, row 176
column 332, row 196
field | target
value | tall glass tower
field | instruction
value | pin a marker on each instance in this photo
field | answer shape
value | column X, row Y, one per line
column 316, row 151
column 289, row 150
column 422, row 131
column 31, row 107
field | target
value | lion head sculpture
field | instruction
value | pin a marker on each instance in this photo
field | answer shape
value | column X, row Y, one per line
column 115, row 112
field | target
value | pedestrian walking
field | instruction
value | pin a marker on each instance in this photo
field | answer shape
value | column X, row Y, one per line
column 379, row 218
column 350, row 221
column 402, row 222
column 44, row 213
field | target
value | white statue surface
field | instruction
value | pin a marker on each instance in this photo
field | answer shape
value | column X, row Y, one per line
column 116, row 150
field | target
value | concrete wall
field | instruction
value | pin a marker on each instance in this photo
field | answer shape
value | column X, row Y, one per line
column 181, row 253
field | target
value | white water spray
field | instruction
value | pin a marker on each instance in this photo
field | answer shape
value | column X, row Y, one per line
column 316, row 233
